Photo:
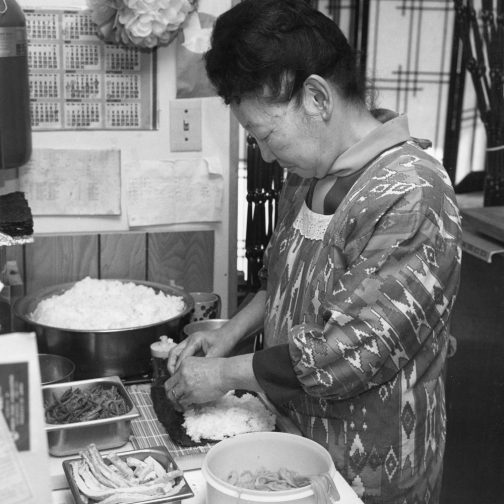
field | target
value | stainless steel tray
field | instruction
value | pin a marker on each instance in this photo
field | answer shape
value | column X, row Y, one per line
column 159, row 453
column 69, row 439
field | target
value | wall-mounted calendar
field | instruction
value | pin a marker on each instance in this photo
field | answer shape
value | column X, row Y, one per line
column 78, row 81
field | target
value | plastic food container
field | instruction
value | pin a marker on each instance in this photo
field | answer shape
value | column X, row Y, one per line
column 263, row 450
column 159, row 453
column 70, row 438
column 159, row 354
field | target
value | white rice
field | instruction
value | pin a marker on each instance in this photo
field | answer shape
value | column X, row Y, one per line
column 106, row 304
column 227, row 417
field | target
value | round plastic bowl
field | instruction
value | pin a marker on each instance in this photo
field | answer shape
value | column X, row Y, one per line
column 263, row 450
column 55, row 369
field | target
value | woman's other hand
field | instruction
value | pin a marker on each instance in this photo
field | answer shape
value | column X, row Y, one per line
column 210, row 343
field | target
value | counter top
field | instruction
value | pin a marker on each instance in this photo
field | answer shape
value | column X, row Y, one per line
column 147, row 431
column 61, row 493
column 488, row 221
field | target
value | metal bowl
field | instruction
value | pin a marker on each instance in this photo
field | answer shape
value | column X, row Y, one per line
column 203, row 325
column 110, row 352
column 247, row 344
column 55, row 369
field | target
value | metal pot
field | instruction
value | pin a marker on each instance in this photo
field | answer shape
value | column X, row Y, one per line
column 55, row 369
column 111, row 352
column 203, row 325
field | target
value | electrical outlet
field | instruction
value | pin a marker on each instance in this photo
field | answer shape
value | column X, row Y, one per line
column 185, row 125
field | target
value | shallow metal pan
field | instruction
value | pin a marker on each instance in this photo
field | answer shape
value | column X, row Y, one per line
column 159, row 453
column 70, row 438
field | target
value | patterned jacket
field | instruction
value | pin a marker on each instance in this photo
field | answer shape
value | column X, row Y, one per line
column 357, row 319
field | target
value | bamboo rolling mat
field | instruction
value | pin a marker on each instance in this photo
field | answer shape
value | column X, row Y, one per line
column 147, row 431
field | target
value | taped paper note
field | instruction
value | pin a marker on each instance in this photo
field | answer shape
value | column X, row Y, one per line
column 175, row 191
column 73, row 182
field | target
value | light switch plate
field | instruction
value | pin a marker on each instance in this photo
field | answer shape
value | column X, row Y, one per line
column 185, row 125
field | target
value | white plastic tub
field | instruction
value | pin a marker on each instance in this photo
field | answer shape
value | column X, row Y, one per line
column 269, row 450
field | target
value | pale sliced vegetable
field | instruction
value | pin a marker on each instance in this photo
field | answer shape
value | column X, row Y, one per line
column 119, row 483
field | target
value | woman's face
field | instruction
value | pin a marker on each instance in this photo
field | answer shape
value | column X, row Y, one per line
column 287, row 134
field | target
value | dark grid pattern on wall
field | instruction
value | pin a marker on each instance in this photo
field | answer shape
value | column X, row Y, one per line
column 408, row 60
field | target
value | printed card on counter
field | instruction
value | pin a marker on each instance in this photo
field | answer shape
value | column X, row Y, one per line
column 24, row 459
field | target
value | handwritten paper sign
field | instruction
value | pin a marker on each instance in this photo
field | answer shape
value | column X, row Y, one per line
column 73, row 182
column 175, row 191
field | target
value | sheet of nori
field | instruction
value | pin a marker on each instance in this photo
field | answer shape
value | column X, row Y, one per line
column 170, row 418
column 15, row 215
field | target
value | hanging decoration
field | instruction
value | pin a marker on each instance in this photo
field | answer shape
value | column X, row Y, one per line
column 192, row 80
column 482, row 35
column 140, row 23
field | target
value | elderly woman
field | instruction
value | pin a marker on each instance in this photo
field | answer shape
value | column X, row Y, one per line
column 362, row 271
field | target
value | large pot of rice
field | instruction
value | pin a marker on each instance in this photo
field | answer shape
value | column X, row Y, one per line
column 105, row 326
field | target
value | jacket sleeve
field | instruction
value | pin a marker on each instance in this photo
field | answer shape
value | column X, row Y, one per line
column 391, row 305
column 274, row 371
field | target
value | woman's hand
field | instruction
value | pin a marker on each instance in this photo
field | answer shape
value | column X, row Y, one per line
column 200, row 373
column 220, row 342
column 211, row 343
column 197, row 380
column 202, row 379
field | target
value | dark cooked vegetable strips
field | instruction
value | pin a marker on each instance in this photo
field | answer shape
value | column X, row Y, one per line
column 77, row 405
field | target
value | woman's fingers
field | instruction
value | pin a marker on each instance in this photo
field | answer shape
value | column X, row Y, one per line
column 173, row 357
column 193, row 346
column 174, row 393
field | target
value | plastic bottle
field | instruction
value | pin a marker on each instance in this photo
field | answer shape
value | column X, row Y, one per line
column 15, row 122
column 159, row 353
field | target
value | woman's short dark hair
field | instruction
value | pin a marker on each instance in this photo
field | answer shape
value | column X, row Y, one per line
column 277, row 44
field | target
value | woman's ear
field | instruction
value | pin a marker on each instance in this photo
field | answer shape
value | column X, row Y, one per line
column 318, row 96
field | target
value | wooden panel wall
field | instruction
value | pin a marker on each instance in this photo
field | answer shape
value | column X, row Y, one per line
column 184, row 259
